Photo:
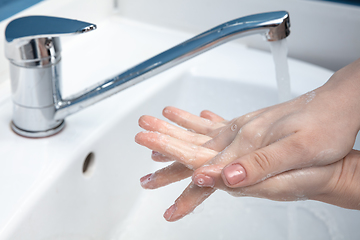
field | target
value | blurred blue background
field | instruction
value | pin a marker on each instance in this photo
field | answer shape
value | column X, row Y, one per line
column 354, row 2
column 10, row 7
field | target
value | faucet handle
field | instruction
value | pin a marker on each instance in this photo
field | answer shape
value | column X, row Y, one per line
column 31, row 39
column 44, row 26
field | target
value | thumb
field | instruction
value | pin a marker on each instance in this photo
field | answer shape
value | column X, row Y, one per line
column 263, row 163
column 299, row 184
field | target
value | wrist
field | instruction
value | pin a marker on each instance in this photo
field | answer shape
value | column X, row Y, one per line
column 344, row 90
column 343, row 189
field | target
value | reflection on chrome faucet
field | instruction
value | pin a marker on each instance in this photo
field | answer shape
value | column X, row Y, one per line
column 33, row 48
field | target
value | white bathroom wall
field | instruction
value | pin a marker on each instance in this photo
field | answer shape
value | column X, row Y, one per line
column 324, row 33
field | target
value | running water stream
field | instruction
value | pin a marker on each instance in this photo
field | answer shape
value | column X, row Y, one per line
column 279, row 50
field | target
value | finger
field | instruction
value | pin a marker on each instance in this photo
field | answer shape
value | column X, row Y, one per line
column 158, row 157
column 240, row 122
column 253, row 138
column 244, row 167
column 190, row 121
column 286, row 154
column 165, row 176
column 224, row 138
column 294, row 185
column 227, row 134
column 212, row 116
column 190, row 155
column 154, row 124
column 192, row 197
column 216, row 132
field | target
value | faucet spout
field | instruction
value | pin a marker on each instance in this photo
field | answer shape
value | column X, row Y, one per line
column 273, row 25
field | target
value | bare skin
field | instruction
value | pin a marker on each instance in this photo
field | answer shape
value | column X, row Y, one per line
column 304, row 144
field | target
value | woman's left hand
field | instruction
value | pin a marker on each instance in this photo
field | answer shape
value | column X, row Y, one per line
column 171, row 143
column 323, row 183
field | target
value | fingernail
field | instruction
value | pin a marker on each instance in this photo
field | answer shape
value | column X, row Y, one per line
column 155, row 153
column 169, row 212
column 145, row 179
column 234, row 174
column 203, row 180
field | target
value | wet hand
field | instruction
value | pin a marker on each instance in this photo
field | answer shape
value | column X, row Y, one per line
column 315, row 129
column 334, row 183
column 171, row 143
column 319, row 183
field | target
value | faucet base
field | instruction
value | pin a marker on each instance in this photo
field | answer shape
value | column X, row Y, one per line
column 37, row 134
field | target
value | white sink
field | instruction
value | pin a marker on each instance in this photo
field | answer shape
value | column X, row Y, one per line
column 46, row 195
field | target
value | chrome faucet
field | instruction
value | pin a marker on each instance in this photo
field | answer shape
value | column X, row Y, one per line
column 32, row 46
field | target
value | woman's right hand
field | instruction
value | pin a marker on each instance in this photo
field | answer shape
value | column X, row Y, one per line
column 315, row 129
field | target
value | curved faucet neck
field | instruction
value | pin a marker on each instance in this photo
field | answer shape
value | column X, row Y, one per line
column 274, row 26
column 46, row 116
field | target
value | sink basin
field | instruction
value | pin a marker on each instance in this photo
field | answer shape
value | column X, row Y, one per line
column 83, row 183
